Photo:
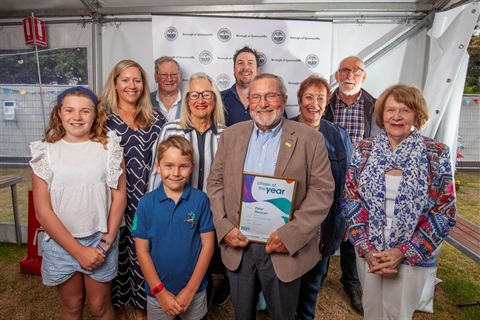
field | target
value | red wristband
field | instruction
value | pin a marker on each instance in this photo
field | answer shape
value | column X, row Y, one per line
column 156, row 290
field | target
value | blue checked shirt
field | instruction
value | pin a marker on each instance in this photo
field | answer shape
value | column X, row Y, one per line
column 351, row 118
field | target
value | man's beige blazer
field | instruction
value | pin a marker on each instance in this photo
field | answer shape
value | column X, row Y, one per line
column 302, row 156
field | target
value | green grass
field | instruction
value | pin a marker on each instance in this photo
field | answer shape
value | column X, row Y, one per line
column 11, row 253
column 468, row 195
column 6, row 208
column 24, row 297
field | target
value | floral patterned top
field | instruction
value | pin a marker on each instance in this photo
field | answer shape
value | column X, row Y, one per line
column 425, row 210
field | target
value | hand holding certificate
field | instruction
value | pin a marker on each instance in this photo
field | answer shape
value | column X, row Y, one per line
column 267, row 204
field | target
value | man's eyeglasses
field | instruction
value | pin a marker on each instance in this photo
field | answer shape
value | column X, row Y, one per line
column 270, row 97
column 206, row 95
column 165, row 76
column 346, row 71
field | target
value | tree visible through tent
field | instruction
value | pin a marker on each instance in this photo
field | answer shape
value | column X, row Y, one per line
column 59, row 66
column 472, row 83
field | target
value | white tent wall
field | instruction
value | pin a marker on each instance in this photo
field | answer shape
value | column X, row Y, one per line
column 404, row 63
column 132, row 40
column 450, row 36
column 128, row 40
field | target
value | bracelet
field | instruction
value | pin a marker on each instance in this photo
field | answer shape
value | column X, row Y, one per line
column 154, row 291
column 101, row 248
column 106, row 242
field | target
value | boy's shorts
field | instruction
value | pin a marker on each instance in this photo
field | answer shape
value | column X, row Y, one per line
column 58, row 265
column 196, row 310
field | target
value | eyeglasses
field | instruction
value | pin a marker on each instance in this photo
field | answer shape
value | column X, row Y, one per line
column 165, row 76
column 346, row 71
column 270, row 97
column 206, row 95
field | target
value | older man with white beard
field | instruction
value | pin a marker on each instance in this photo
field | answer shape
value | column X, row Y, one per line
column 270, row 145
column 352, row 107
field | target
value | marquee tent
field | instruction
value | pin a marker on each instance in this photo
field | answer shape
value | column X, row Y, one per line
column 416, row 42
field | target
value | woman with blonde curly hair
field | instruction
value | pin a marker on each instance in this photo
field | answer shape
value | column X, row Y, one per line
column 126, row 98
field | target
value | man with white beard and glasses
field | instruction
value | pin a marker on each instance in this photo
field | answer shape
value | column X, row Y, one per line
column 237, row 109
column 270, row 145
column 352, row 107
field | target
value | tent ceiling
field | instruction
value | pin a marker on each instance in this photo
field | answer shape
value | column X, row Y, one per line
column 100, row 9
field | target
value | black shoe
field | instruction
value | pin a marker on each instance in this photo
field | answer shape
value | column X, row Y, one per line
column 355, row 297
column 222, row 293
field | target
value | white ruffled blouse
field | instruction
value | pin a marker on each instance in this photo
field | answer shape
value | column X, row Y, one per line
column 79, row 178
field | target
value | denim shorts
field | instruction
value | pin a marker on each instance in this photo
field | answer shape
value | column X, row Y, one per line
column 58, row 265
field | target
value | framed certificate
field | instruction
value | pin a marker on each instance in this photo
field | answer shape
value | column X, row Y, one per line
column 266, row 205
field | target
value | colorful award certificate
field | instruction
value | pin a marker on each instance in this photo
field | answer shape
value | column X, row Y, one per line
column 267, row 204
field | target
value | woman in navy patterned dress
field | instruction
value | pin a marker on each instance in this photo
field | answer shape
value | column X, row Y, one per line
column 126, row 98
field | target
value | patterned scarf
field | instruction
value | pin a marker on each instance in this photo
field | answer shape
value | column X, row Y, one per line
column 411, row 157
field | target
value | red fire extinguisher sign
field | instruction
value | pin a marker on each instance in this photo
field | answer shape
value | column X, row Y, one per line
column 34, row 31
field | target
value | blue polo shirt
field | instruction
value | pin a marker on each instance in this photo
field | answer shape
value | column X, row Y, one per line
column 173, row 233
column 234, row 110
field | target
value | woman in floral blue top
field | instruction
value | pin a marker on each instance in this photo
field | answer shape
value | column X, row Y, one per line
column 399, row 203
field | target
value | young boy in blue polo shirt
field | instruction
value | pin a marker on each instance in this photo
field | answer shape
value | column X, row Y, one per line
column 174, row 237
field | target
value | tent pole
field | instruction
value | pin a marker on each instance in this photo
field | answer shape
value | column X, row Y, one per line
column 97, row 61
column 39, row 73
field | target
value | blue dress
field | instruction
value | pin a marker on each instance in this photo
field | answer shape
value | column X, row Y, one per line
column 129, row 285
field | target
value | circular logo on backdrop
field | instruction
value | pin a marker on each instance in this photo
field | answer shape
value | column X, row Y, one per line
column 262, row 59
column 224, row 35
column 312, row 61
column 223, row 81
column 278, row 36
column 171, row 33
column 205, row 57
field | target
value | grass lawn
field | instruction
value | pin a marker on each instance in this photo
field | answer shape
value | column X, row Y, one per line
column 24, row 297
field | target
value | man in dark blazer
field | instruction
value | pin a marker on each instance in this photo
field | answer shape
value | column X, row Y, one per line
column 270, row 144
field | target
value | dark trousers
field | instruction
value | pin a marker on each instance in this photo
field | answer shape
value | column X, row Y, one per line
column 216, row 266
column 310, row 286
column 254, row 274
column 348, row 265
column 312, row 281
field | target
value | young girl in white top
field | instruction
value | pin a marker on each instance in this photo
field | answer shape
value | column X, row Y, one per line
column 79, row 192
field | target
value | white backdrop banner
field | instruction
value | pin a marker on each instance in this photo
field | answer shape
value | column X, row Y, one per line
column 290, row 49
